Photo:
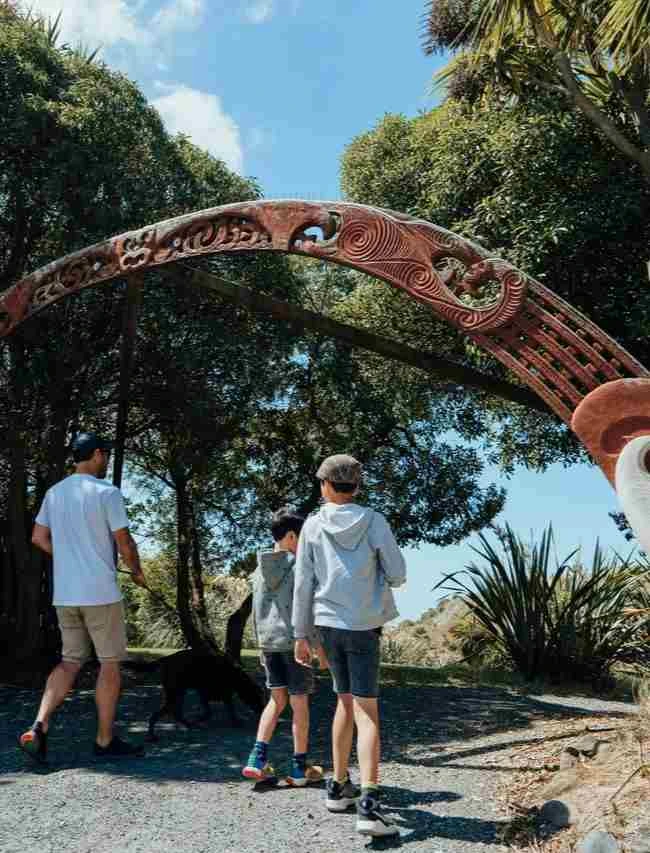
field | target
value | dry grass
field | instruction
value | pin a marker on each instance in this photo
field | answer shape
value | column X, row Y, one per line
column 610, row 792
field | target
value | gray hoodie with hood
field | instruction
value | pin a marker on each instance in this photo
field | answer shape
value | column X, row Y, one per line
column 347, row 562
column 273, row 583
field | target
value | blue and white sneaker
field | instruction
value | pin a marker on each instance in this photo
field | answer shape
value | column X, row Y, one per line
column 341, row 795
column 258, row 769
column 304, row 774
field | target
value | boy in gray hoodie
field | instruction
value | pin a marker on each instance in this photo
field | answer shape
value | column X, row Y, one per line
column 273, row 583
column 346, row 564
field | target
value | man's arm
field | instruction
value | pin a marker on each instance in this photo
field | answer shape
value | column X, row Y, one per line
column 42, row 538
column 129, row 553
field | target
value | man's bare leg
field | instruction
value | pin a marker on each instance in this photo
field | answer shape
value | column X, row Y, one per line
column 59, row 684
column 342, row 734
column 366, row 716
column 107, row 693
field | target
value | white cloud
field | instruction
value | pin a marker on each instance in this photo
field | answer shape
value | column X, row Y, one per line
column 259, row 11
column 178, row 15
column 94, row 22
column 200, row 116
column 119, row 22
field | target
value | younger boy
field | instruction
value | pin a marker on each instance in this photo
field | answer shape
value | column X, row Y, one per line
column 347, row 561
column 285, row 678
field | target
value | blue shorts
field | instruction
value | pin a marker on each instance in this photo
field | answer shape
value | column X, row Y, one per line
column 353, row 658
column 282, row 670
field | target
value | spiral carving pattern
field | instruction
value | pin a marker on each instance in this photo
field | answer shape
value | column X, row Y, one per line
column 378, row 239
column 385, row 245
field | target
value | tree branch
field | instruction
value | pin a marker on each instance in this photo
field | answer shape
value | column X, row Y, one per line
column 301, row 319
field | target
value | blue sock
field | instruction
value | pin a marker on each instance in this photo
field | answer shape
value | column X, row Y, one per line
column 300, row 759
column 261, row 749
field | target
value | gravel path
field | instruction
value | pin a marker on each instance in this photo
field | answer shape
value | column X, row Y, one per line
column 445, row 752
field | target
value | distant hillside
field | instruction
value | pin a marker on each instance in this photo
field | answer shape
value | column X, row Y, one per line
column 428, row 641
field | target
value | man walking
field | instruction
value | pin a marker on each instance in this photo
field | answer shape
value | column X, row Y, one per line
column 79, row 522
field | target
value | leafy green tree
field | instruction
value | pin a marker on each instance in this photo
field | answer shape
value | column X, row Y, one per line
column 592, row 55
column 537, row 184
column 65, row 182
column 203, row 370
column 334, row 397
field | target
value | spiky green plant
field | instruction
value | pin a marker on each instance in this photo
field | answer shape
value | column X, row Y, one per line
column 560, row 622
column 511, row 596
column 597, row 619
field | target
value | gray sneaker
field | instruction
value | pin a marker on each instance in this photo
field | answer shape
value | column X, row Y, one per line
column 341, row 795
column 371, row 820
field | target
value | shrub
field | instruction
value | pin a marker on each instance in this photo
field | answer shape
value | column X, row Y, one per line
column 564, row 622
column 152, row 618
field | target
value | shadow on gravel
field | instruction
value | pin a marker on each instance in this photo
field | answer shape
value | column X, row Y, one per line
column 416, row 720
column 419, row 825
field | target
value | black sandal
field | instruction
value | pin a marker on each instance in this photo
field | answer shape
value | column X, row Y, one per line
column 33, row 742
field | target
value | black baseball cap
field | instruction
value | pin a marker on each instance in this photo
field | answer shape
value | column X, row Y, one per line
column 85, row 444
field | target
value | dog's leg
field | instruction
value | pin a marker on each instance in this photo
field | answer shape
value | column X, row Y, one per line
column 164, row 709
column 153, row 719
column 235, row 722
column 207, row 711
column 177, row 700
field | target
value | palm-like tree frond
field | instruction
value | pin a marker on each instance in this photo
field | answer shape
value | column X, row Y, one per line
column 625, row 30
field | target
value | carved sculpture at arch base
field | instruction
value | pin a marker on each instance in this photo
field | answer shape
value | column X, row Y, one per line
column 582, row 374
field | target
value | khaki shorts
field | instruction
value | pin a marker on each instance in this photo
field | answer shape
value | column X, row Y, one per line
column 101, row 626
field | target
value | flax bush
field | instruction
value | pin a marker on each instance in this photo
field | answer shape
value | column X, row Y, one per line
column 561, row 621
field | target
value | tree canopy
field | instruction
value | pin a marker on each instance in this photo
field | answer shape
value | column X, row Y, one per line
column 593, row 56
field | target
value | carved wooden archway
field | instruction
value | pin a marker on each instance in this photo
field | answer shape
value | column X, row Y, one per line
column 555, row 350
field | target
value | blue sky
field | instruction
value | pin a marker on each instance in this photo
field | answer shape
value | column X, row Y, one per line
column 278, row 88
column 275, row 87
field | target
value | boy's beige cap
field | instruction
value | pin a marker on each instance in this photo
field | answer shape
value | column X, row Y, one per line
column 340, row 468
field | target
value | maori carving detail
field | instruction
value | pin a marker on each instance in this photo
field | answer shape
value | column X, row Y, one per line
column 221, row 233
column 554, row 349
column 77, row 273
column 433, row 265
column 389, row 249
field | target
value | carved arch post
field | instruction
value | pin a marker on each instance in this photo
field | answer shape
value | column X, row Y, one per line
column 560, row 354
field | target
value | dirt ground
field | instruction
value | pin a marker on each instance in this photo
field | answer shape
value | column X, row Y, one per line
column 447, row 752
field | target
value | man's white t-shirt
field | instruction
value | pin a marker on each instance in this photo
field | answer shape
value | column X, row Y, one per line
column 82, row 513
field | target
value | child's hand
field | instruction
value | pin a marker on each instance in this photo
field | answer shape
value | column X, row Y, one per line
column 319, row 651
column 302, row 652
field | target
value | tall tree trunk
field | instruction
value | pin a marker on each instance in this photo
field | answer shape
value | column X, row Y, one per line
column 235, row 628
column 198, row 586
column 33, row 639
column 195, row 635
column 134, row 288
column 198, row 598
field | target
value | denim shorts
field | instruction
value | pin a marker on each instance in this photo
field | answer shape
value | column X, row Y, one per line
column 353, row 658
column 282, row 670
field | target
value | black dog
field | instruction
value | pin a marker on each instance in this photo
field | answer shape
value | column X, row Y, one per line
column 215, row 678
